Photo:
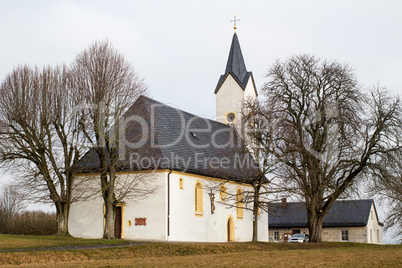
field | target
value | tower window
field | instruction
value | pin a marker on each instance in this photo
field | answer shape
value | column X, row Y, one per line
column 230, row 118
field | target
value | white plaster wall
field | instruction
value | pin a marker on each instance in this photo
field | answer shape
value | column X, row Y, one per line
column 373, row 225
column 86, row 217
column 249, row 91
column 186, row 226
column 153, row 208
column 228, row 98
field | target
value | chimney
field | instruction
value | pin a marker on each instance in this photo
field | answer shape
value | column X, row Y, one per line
column 284, row 202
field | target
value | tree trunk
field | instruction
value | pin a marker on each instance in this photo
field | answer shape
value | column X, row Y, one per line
column 109, row 200
column 62, row 213
column 255, row 213
column 109, row 221
column 314, row 225
column 255, row 224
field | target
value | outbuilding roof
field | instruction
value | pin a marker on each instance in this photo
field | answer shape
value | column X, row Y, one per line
column 154, row 135
column 343, row 213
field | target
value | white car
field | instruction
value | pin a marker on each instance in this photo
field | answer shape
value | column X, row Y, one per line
column 298, row 238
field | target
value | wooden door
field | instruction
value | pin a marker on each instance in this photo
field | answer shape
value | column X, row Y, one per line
column 117, row 223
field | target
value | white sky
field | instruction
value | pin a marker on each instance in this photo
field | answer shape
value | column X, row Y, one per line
column 180, row 47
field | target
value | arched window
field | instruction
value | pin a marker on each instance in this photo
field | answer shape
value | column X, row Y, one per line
column 230, row 229
column 199, row 207
column 239, row 202
column 223, row 192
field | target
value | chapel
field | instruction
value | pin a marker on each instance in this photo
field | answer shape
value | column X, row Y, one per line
column 181, row 177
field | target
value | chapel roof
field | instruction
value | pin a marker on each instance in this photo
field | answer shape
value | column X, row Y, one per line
column 168, row 138
column 235, row 66
column 343, row 213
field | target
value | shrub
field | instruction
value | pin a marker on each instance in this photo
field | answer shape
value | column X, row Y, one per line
column 32, row 223
column 2, row 220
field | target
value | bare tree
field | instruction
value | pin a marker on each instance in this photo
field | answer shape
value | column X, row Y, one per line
column 108, row 85
column 387, row 185
column 41, row 135
column 326, row 133
column 11, row 203
column 259, row 144
column 254, row 163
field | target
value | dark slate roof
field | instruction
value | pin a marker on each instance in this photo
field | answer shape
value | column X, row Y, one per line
column 169, row 138
column 235, row 66
column 343, row 213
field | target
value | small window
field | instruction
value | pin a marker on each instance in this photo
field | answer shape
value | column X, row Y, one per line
column 239, row 203
column 181, row 183
column 129, row 223
column 276, row 235
column 372, row 216
column 378, row 235
column 371, row 235
column 223, row 192
column 199, row 207
column 345, row 235
column 296, row 231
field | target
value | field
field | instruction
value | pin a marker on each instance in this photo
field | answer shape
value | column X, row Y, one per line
column 53, row 251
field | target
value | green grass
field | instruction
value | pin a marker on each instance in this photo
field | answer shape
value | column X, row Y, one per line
column 153, row 254
column 8, row 242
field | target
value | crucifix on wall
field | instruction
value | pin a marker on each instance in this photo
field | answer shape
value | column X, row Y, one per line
column 212, row 196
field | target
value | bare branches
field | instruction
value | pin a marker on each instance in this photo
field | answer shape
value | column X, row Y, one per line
column 106, row 83
column 107, row 86
column 37, row 112
column 386, row 184
column 11, row 204
column 325, row 132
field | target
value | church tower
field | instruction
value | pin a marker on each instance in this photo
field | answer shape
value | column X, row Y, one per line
column 234, row 87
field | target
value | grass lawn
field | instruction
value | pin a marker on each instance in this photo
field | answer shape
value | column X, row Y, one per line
column 194, row 254
column 30, row 241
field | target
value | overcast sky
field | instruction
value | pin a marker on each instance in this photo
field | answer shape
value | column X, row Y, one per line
column 181, row 47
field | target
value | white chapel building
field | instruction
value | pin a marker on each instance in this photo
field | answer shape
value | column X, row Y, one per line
column 196, row 168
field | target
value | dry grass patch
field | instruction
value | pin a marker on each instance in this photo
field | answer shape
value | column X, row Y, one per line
column 210, row 254
column 330, row 257
column 30, row 241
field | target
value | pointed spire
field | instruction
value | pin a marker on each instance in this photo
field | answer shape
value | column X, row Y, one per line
column 235, row 64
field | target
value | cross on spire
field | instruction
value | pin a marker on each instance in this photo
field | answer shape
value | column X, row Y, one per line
column 234, row 21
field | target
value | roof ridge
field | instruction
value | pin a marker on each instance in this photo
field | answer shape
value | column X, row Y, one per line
column 188, row 113
column 336, row 201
